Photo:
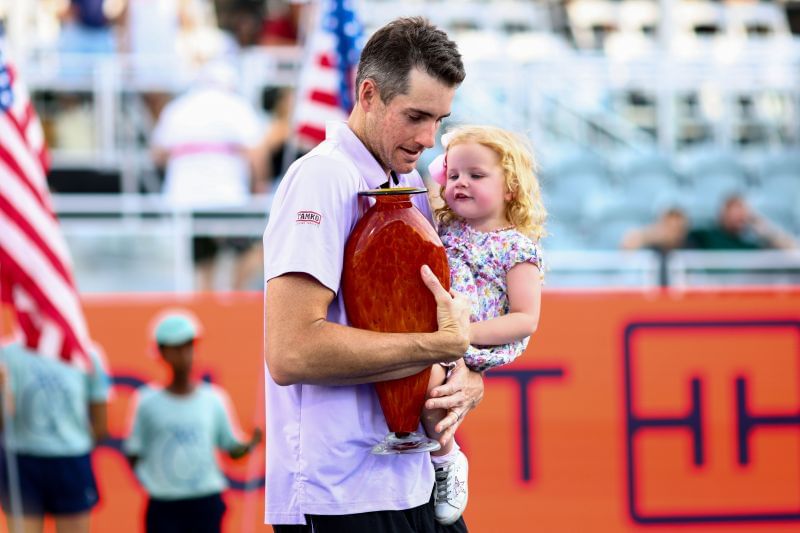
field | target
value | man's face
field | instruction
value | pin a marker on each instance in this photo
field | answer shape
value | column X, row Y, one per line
column 735, row 216
column 398, row 131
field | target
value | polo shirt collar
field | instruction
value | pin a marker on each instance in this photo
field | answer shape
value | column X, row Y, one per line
column 368, row 166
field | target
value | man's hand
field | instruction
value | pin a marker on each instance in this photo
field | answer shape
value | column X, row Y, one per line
column 452, row 311
column 462, row 392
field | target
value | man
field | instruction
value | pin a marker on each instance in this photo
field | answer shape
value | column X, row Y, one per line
column 208, row 141
column 323, row 415
column 739, row 228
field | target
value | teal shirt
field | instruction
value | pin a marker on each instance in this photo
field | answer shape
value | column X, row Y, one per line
column 51, row 402
column 176, row 437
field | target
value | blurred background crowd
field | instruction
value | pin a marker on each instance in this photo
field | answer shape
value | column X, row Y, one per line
column 667, row 132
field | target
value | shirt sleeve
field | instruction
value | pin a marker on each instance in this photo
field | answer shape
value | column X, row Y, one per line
column 224, row 436
column 310, row 220
column 99, row 388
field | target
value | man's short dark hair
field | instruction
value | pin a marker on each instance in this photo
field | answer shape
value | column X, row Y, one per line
column 402, row 45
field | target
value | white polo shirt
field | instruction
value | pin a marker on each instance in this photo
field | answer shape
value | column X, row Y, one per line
column 206, row 132
column 319, row 438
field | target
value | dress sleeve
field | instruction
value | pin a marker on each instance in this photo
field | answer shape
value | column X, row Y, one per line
column 481, row 358
column 523, row 250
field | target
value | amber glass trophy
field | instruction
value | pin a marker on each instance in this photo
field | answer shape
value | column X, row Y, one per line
column 383, row 291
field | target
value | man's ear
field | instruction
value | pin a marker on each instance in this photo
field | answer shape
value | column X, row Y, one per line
column 368, row 94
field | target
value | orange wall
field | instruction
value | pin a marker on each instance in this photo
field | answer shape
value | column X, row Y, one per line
column 629, row 412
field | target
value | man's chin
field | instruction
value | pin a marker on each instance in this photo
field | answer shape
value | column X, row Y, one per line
column 405, row 167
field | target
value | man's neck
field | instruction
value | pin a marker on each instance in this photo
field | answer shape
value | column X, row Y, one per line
column 357, row 125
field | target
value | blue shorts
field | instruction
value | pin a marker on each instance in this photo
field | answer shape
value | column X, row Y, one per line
column 189, row 515
column 51, row 485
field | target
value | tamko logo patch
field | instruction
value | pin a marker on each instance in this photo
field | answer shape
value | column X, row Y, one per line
column 308, row 217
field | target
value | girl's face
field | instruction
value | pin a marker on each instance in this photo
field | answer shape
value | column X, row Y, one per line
column 476, row 187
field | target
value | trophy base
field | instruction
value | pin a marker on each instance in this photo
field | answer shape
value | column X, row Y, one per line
column 395, row 443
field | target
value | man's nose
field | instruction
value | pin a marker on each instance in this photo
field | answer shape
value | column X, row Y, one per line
column 426, row 136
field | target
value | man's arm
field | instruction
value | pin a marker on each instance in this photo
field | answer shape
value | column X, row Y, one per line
column 303, row 347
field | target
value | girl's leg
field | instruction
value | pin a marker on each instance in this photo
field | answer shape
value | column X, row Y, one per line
column 449, row 464
column 431, row 417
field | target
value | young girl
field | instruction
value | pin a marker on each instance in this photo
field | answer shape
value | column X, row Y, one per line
column 490, row 225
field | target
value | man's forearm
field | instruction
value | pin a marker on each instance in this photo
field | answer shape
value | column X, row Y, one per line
column 332, row 354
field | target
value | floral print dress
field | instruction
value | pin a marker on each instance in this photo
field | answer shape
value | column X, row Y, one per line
column 478, row 265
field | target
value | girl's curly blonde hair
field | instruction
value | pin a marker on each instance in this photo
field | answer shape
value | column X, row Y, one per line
column 525, row 210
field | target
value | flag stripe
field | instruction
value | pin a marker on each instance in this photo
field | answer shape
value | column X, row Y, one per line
column 13, row 167
column 324, row 98
column 311, row 132
column 26, row 228
column 326, row 61
column 40, row 218
column 21, row 161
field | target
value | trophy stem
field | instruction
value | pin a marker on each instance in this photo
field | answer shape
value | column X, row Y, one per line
column 401, row 442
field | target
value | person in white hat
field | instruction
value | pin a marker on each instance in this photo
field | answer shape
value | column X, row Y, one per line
column 176, row 432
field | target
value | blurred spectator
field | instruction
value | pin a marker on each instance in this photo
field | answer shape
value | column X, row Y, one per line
column 86, row 29
column 176, row 432
column 242, row 19
column 285, row 23
column 59, row 413
column 151, row 32
column 273, row 146
column 208, row 139
column 738, row 227
column 667, row 233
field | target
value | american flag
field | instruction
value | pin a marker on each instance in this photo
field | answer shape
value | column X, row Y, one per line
column 35, row 268
column 326, row 83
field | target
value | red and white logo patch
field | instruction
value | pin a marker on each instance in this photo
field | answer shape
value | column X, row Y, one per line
column 308, row 217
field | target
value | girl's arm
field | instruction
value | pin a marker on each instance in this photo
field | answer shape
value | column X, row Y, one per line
column 524, row 298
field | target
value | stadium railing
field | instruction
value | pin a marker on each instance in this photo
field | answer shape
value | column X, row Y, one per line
column 135, row 243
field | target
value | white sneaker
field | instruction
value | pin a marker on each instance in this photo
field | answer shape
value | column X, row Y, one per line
column 450, row 498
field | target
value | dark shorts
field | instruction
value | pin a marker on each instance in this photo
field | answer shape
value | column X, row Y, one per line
column 190, row 515
column 51, row 485
column 207, row 248
column 417, row 520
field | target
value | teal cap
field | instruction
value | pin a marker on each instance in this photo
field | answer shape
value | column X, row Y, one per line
column 175, row 329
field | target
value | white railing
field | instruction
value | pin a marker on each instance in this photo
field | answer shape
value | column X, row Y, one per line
column 130, row 243
column 693, row 268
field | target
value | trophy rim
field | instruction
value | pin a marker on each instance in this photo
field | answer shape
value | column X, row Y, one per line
column 393, row 191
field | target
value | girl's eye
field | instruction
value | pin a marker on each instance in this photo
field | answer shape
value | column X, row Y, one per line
column 452, row 177
column 477, row 176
